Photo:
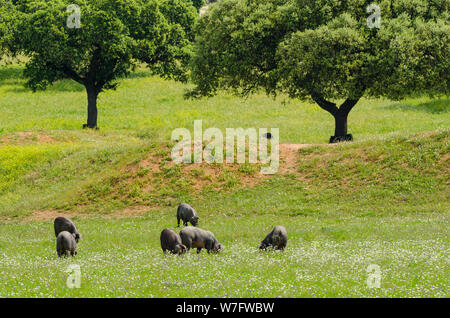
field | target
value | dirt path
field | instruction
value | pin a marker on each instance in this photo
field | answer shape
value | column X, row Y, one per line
column 289, row 157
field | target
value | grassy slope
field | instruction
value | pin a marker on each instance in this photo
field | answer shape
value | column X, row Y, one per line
column 382, row 199
column 57, row 166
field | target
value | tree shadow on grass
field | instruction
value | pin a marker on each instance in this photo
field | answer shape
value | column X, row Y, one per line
column 436, row 106
column 58, row 87
column 140, row 73
column 66, row 86
column 11, row 76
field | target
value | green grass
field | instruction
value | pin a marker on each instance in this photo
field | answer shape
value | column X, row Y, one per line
column 382, row 199
column 325, row 257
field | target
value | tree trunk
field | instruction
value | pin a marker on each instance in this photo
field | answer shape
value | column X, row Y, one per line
column 340, row 129
column 92, row 95
column 340, row 120
column 340, row 116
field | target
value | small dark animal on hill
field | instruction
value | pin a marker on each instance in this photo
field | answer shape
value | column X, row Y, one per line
column 65, row 244
column 171, row 241
column 194, row 237
column 62, row 223
column 186, row 213
column 277, row 239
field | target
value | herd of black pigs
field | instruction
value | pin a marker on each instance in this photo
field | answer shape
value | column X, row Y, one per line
column 67, row 236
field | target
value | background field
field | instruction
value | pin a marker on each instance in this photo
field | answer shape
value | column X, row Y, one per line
column 382, row 199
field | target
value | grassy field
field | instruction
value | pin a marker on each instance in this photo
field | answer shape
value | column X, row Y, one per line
column 382, row 199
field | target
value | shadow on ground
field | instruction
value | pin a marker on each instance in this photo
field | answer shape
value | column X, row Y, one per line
column 436, row 106
column 13, row 76
column 10, row 75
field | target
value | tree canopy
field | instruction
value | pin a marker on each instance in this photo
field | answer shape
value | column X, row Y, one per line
column 6, row 17
column 323, row 50
column 111, row 37
column 198, row 3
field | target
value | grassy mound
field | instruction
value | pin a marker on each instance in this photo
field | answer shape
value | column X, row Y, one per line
column 90, row 174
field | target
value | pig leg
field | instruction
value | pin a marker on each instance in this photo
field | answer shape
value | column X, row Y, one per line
column 187, row 242
column 209, row 245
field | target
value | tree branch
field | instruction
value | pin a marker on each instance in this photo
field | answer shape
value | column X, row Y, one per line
column 347, row 106
column 72, row 74
column 324, row 104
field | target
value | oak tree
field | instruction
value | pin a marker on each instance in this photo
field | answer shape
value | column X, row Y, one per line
column 330, row 52
column 97, row 42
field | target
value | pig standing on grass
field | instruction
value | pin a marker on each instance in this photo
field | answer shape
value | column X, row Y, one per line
column 62, row 223
column 186, row 213
column 65, row 244
column 193, row 237
column 276, row 239
column 170, row 240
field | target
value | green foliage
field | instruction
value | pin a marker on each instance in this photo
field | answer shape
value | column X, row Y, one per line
column 112, row 34
column 418, row 58
column 236, row 44
column 174, row 55
column 198, row 3
column 330, row 61
column 7, row 14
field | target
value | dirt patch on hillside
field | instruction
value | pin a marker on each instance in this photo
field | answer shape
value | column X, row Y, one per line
column 49, row 215
column 132, row 211
column 445, row 157
column 27, row 137
column 199, row 176
column 46, row 215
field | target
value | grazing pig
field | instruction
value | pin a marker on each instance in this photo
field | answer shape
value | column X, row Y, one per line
column 62, row 223
column 194, row 237
column 170, row 240
column 186, row 213
column 65, row 244
column 276, row 239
